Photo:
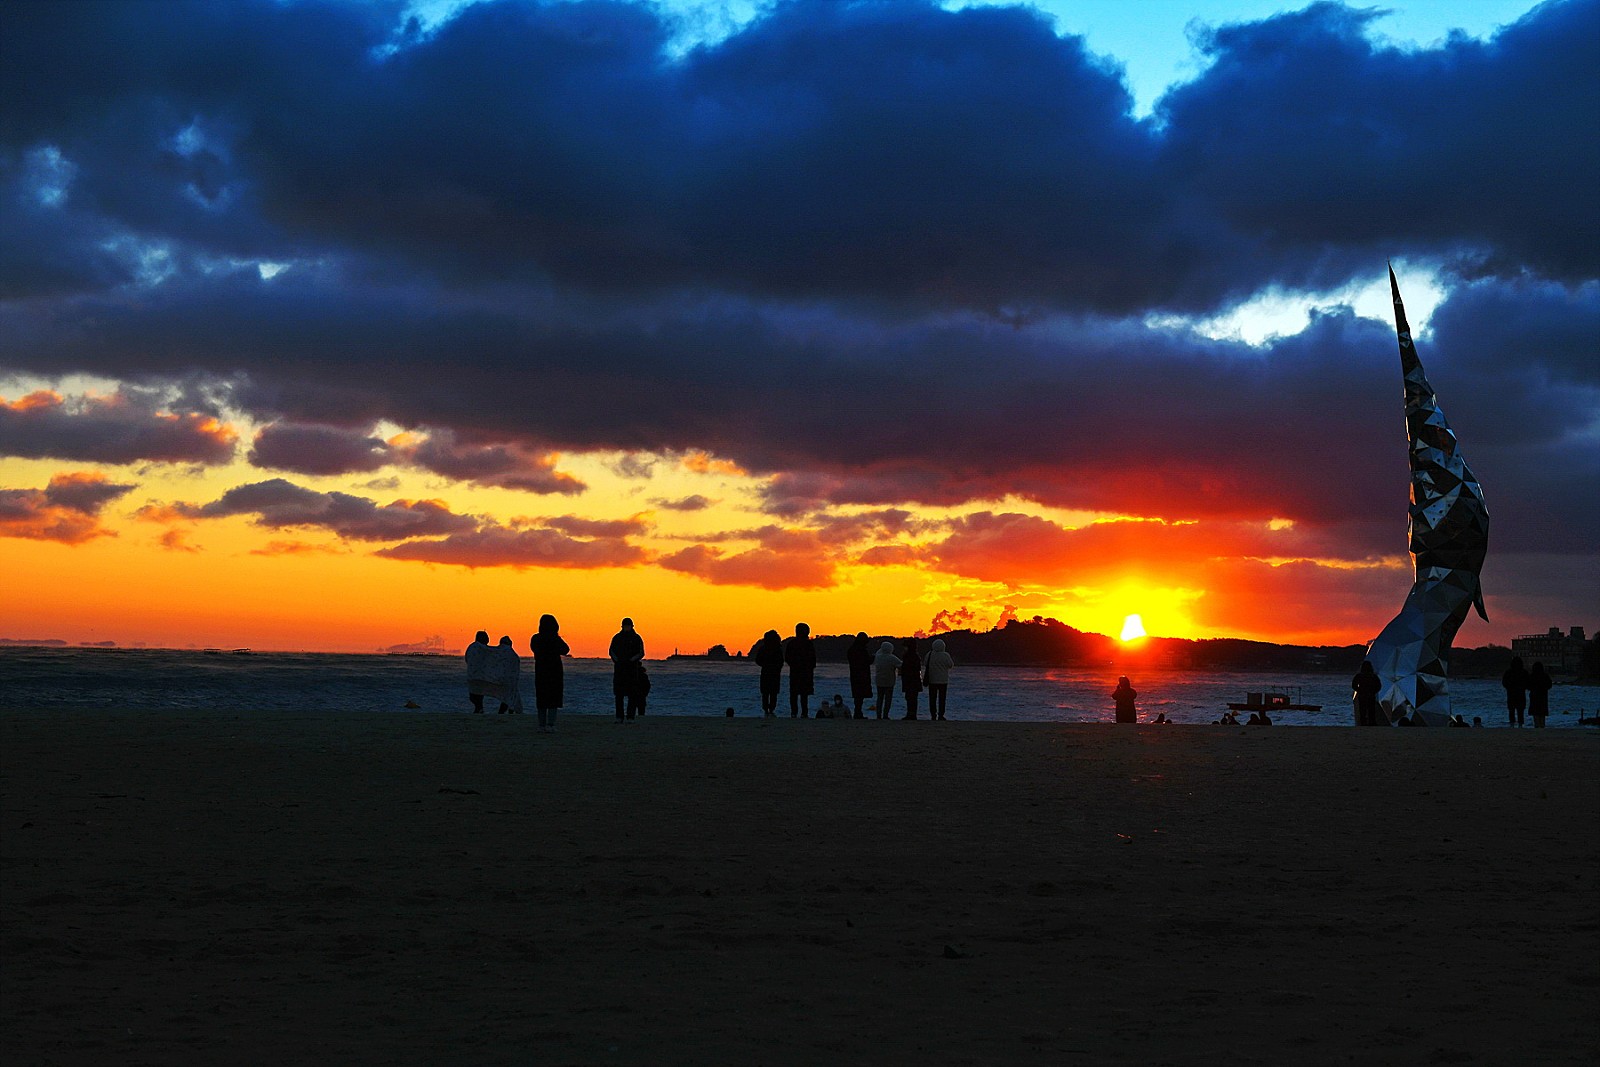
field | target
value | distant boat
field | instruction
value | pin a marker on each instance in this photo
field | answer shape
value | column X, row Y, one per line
column 1273, row 702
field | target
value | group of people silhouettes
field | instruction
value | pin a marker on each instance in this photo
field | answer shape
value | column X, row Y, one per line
column 869, row 672
column 496, row 671
column 1526, row 690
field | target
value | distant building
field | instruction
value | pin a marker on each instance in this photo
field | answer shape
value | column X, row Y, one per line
column 1556, row 650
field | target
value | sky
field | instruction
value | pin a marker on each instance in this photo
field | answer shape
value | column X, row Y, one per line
column 339, row 325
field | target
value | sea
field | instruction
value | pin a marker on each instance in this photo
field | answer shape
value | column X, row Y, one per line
column 52, row 677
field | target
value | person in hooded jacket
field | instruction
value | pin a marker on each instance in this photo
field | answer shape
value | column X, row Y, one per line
column 801, row 657
column 859, row 656
column 1515, row 682
column 549, row 676
column 768, row 654
column 1123, row 696
column 936, row 672
column 884, row 667
column 479, row 684
column 505, row 670
column 910, row 677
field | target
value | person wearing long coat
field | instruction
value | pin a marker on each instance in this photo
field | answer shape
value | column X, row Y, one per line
column 859, row 656
column 768, row 655
column 1539, row 684
column 936, row 672
column 1123, row 696
column 480, row 657
column 801, row 657
column 549, row 676
column 910, row 677
column 627, row 657
column 1515, row 682
column 505, row 670
column 884, row 667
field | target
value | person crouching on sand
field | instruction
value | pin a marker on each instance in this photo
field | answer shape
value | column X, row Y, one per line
column 884, row 666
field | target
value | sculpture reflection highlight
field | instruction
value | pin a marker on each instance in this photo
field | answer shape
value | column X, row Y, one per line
column 1449, row 529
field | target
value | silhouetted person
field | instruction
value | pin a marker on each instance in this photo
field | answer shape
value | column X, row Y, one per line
column 885, row 664
column 479, row 655
column 1161, row 719
column 1366, row 685
column 859, row 656
column 768, row 655
column 1477, row 722
column 801, row 657
column 936, row 673
column 910, row 676
column 1515, row 682
column 1259, row 718
column 505, row 670
column 1539, row 684
column 627, row 658
column 1457, row 722
column 1123, row 696
column 549, row 675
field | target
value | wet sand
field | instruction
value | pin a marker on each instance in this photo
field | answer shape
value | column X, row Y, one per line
column 206, row 887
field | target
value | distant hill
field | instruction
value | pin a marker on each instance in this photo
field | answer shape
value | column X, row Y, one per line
column 1042, row 642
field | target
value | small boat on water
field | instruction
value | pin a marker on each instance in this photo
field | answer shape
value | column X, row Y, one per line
column 1273, row 702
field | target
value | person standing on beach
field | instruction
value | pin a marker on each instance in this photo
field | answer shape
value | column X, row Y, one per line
column 801, row 657
column 910, row 677
column 505, row 670
column 1123, row 696
column 479, row 656
column 936, row 672
column 1539, row 684
column 627, row 655
column 1515, row 683
column 768, row 655
column 549, row 676
column 859, row 656
column 884, row 666
column 1366, row 685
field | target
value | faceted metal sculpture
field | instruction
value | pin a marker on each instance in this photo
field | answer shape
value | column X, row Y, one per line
column 1449, row 538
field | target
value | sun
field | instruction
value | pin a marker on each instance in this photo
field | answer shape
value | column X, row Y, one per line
column 1132, row 628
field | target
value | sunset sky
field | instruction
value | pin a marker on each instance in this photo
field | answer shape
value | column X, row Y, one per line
column 337, row 325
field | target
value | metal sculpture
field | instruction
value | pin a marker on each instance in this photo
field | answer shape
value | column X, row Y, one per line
column 1449, row 538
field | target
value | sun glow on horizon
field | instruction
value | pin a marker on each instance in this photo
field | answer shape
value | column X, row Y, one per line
column 1132, row 628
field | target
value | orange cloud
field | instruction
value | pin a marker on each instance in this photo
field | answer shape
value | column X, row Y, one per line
column 129, row 426
column 493, row 545
column 788, row 568
column 66, row 511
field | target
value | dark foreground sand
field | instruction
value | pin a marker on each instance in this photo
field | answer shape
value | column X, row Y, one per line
column 205, row 888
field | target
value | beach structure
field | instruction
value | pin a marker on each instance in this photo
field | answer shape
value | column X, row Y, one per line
column 1449, row 537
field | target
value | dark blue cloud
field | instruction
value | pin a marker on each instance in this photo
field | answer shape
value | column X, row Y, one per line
column 891, row 153
column 538, row 228
column 1306, row 135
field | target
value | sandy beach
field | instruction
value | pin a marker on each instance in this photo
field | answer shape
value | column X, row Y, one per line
column 206, row 887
